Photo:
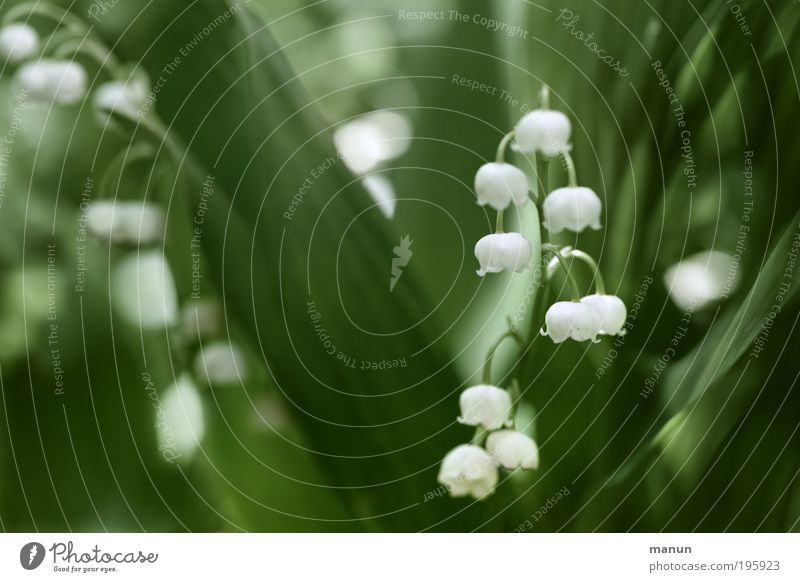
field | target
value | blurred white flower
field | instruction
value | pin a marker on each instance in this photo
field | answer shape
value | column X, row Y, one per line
column 50, row 81
column 127, row 96
column 201, row 319
column 126, row 221
column 611, row 310
column 221, row 363
column 497, row 252
column 376, row 137
column 468, row 470
column 382, row 193
column 543, row 130
column 513, row 449
column 701, row 279
column 485, row 405
column 572, row 208
column 143, row 290
column 570, row 319
column 18, row 42
column 180, row 424
column 499, row 185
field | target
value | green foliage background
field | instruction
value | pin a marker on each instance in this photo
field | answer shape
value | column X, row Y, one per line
column 713, row 448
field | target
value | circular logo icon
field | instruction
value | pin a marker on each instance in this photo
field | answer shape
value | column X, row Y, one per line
column 31, row 555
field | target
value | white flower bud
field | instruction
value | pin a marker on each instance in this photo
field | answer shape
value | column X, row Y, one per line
column 543, row 130
column 127, row 97
column 611, row 310
column 468, row 470
column 375, row 137
column 497, row 252
column 143, row 290
column 513, row 449
column 572, row 208
column 179, row 420
column 201, row 319
column 18, row 42
column 221, row 363
column 499, row 185
column 570, row 319
column 126, row 221
column 701, row 279
column 485, row 405
column 381, row 191
column 48, row 81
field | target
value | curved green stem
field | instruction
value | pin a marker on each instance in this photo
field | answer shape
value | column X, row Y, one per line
column 599, row 283
column 487, row 366
column 92, row 48
column 576, row 291
column 477, row 438
column 501, row 149
column 498, row 229
column 571, row 174
column 544, row 97
column 124, row 159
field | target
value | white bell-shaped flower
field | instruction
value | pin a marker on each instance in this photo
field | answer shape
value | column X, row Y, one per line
column 18, row 42
column 126, row 221
column 572, row 208
column 127, row 97
column 571, row 319
column 371, row 139
column 543, row 130
column 513, row 449
column 497, row 252
column 701, row 279
column 468, row 470
column 500, row 185
column 611, row 310
column 143, row 290
column 180, row 425
column 49, row 81
column 485, row 405
column 221, row 363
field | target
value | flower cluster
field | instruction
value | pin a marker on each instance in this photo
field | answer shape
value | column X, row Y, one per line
column 471, row 469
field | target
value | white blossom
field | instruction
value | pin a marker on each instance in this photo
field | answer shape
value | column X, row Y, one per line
column 611, row 310
column 179, row 422
column 382, row 193
column 18, row 42
column 127, row 96
column 143, row 290
column 468, row 470
column 201, row 319
column 701, row 279
column 571, row 319
column 50, row 81
column 500, row 185
column 497, row 252
column 376, row 137
column 545, row 131
column 221, row 363
column 513, row 449
column 126, row 221
column 485, row 405
column 572, row 208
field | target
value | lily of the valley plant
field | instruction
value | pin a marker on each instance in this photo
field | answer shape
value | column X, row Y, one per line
column 543, row 134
